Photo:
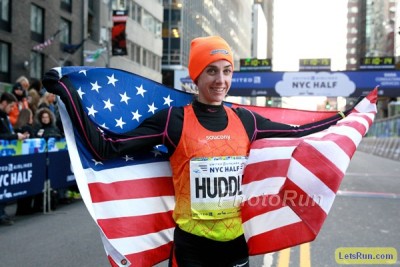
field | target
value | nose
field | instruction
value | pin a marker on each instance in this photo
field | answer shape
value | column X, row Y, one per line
column 219, row 77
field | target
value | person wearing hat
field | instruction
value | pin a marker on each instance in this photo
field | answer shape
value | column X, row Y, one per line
column 205, row 134
column 20, row 93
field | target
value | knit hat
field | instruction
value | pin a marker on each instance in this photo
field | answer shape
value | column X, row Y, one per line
column 205, row 50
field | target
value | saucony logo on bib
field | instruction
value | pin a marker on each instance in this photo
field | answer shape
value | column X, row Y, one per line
column 218, row 137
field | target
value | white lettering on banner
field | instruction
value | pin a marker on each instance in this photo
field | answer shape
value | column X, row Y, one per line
column 315, row 83
column 15, row 178
column 4, row 180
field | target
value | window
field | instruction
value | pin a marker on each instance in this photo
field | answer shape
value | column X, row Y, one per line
column 144, row 57
column 37, row 22
column 66, row 5
column 5, row 23
column 4, row 61
column 36, row 69
column 138, row 54
column 151, row 24
column 65, row 34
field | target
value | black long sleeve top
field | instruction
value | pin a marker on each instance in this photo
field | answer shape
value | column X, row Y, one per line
column 165, row 127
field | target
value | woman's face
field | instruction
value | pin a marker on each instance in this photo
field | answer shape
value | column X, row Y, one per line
column 45, row 118
column 214, row 82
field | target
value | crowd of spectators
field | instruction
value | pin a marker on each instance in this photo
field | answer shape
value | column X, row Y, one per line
column 28, row 111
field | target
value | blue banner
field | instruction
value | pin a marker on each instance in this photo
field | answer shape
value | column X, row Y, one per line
column 59, row 171
column 22, row 176
column 25, row 165
column 310, row 83
column 340, row 83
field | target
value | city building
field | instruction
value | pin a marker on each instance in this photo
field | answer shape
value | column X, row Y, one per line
column 186, row 19
column 37, row 35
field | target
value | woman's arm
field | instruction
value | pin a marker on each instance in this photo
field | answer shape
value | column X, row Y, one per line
column 258, row 127
column 102, row 145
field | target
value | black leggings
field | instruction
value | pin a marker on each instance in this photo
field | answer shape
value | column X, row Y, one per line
column 194, row 251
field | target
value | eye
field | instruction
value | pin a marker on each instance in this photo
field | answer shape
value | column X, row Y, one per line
column 227, row 71
column 211, row 71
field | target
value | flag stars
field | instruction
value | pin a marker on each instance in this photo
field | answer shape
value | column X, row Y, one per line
column 127, row 158
column 156, row 153
column 80, row 92
column 112, row 80
column 83, row 71
column 95, row 86
column 168, row 100
column 124, row 98
column 97, row 162
column 152, row 108
column 91, row 111
column 140, row 90
column 120, row 123
column 108, row 105
column 136, row 115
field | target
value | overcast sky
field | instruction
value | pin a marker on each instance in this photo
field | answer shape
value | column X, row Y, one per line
column 309, row 29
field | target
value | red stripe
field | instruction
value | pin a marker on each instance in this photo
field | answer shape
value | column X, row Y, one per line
column 305, row 206
column 359, row 127
column 136, row 225
column 260, row 205
column 264, row 169
column 344, row 142
column 147, row 258
column 281, row 238
column 132, row 189
column 267, row 143
column 373, row 96
column 319, row 165
column 289, row 116
column 150, row 257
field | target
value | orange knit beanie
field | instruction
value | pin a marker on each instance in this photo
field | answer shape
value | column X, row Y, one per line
column 205, row 50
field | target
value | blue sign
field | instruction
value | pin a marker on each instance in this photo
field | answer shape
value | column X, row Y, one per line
column 59, row 170
column 323, row 83
column 22, row 176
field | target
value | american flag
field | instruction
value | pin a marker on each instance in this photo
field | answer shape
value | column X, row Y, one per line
column 132, row 198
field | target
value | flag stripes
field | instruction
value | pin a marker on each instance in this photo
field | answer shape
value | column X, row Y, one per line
column 309, row 178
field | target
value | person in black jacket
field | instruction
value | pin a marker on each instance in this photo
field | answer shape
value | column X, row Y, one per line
column 7, row 103
column 45, row 124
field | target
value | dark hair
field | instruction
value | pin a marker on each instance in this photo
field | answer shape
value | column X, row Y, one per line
column 9, row 98
column 36, row 84
column 17, row 86
column 23, row 117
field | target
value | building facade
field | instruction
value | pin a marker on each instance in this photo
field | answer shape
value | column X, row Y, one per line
column 186, row 19
column 35, row 34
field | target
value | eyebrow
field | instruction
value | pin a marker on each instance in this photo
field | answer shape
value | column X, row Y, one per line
column 214, row 66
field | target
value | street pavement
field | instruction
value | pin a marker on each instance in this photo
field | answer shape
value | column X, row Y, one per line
column 364, row 214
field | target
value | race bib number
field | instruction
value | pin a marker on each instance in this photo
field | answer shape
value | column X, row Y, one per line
column 215, row 186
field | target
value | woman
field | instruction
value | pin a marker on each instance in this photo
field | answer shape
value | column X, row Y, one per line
column 45, row 124
column 24, row 122
column 19, row 92
column 204, row 129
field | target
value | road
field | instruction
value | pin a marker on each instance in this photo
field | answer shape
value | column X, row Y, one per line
column 364, row 214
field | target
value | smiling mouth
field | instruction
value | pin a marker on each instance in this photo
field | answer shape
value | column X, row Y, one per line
column 217, row 90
